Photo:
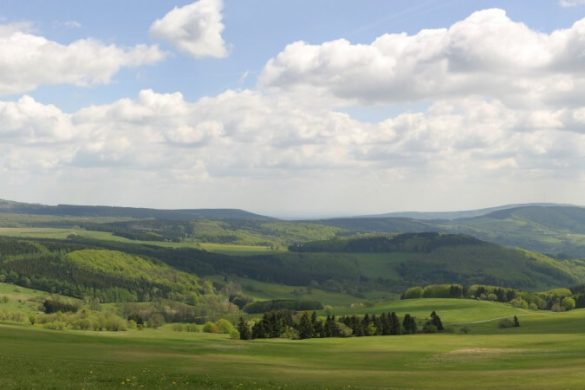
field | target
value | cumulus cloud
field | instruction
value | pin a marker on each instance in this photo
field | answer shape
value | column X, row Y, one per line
column 503, row 120
column 250, row 133
column 255, row 142
column 28, row 60
column 194, row 29
column 486, row 54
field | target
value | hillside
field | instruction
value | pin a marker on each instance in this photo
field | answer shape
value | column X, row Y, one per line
column 552, row 229
column 87, row 271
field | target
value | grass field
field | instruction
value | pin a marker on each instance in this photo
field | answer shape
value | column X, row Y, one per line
column 63, row 233
column 546, row 352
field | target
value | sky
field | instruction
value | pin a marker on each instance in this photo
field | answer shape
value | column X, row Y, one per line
column 293, row 109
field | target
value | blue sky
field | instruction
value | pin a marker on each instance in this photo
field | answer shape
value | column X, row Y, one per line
column 340, row 124
column 256, row 30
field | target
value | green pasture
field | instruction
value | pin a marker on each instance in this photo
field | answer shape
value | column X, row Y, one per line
column 546, row 352
column 32, row 358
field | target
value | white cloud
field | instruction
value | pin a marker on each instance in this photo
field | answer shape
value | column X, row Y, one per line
column 238, row 145
column 194, row 29
column 28, row 60
column 503, row 120
column 486, row 54
column 571, row 3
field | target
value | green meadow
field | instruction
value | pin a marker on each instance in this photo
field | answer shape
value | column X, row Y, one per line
column 546, row 352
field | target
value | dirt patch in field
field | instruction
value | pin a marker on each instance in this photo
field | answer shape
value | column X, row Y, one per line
column 473, row 354
column 484, row 351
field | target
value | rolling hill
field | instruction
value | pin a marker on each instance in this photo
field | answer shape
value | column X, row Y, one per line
column 10, row 207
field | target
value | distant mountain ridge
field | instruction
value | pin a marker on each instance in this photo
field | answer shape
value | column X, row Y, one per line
column 451, row 215
column 131, row 212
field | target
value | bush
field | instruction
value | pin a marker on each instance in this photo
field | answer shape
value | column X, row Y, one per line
column 568, row 303
column 54, row 305
column 506, row 323
column 12, row 316
column 211, row 327
column 225, row 326
column 413, row 293
column 519, row 302
column 156, row 320
column 429, row 328
column 83, row 320
column 344, row 330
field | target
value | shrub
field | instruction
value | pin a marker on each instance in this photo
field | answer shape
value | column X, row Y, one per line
column 83, row 320
column 290, row 333
column 225, row 326
column 519, row 302
column 429, row 328
column 556, row 307
column 178, row 328
column 413, row 293
column 54, row 305
column 211, row 327
column 437, row 291
column 234, row 334
column 568, row 303
column 344, row 330
column 506, row 323
column 156, row 320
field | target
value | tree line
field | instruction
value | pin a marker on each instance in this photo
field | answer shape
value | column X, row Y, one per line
column 287, row 324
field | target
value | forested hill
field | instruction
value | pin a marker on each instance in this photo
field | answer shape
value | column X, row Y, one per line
column 128, row 212
column 552, row 229
column 408, row 242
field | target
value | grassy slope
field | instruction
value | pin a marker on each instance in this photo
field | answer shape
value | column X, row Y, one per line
column 547, row 352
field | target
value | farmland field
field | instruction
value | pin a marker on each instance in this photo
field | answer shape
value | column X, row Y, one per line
column 546, row 352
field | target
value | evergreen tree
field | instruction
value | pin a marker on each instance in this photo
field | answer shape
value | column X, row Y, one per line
column 386, row 325
column 436, row 320
column 516, row 322
column 305, row 327
column 409, row 324
column 377, row 321
column 395, row 327
column 366, row 325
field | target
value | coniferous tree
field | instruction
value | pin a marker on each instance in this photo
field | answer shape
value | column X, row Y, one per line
column 386, row 324
column 436, row 320
column 395, row 327
column 366, row 325
column 516, row 322
column 409, row 324
column 305, row 327
column 377, row 321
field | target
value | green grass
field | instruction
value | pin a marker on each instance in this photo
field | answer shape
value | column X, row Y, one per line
column 22, row 300
column 63, row 233
column 546, row 352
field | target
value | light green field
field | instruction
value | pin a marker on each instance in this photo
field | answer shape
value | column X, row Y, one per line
column 63, row 233
column 546, row 352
